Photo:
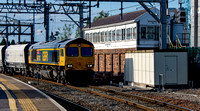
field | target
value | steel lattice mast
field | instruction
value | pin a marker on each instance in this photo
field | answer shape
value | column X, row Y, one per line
column 188, row 17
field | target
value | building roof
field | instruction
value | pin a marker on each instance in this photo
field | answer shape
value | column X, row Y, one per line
column 117, row 18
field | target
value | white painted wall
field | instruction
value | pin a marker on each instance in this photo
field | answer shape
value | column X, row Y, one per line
column 116, row 45
column 147, row 19
column 140, row 67
column 144, row 67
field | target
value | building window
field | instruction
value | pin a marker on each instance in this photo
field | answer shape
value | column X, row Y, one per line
column 94, row 37
column 113, row 35
column 106, row 36
column 90, row 37
column 109, row 36
column 128, row 33
column 134, row 33
column 157, row 33
column 98, row 37
column 143, row 32
column 150, row 32
column 102, row 36
column 118, row 35
column 87, row 36
column 123, row 34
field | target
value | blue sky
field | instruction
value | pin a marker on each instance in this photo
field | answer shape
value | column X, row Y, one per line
column 112, row 8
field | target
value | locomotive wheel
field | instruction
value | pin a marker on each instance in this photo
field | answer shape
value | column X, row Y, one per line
column 63, row 81
column 58, row 81
column 25, row 73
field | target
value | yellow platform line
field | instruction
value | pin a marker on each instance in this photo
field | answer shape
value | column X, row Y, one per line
column 11, row 100
column 24, row 100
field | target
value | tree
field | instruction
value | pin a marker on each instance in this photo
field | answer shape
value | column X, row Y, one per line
column 65, row 32
column 3, row 42
column 24, row 42
column 13, row 42
column 77, row 33
column 8, row 43
column 101, row 14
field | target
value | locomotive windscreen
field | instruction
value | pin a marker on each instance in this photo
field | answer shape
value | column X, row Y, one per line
column 72, row 51
column 86, row 51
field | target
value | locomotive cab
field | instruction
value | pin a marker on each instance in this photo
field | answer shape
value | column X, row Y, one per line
column 79, row 62
column 79, row 57
column 70, row 59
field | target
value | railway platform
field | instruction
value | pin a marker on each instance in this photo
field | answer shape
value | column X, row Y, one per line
column 16, row 95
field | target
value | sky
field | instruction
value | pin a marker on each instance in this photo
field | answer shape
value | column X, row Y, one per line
column 56, row 21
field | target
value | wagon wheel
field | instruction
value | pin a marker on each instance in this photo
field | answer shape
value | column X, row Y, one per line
column 21, row 72
column 12, row 72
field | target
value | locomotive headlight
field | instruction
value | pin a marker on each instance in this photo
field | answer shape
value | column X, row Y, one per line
column 90, row 65
column 69, row 66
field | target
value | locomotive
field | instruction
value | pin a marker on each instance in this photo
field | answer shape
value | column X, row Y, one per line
column 70, row 60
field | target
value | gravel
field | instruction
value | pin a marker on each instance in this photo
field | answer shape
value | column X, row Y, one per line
column 89, row 101
column 189, row 98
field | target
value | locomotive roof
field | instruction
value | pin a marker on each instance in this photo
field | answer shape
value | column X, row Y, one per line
column 58, row 43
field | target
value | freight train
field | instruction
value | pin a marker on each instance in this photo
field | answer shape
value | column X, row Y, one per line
column 70, row 60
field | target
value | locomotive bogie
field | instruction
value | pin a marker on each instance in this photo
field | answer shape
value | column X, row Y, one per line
column 79, row 76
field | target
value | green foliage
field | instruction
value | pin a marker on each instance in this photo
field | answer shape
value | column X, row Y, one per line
column 66, row 31
column 24, row 42
column 3, row 42
column 13, row 42
column 77, row 33
column 101, row 14
column 8, row 42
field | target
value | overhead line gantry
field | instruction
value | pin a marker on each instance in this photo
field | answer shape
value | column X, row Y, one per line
column 46, row 9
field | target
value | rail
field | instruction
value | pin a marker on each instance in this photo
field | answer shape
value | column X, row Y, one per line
column 145, row 99
column 119, row 99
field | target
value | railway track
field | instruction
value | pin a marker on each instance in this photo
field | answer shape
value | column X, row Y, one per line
column 129, row 99
column 68, row 105
column 157, row 105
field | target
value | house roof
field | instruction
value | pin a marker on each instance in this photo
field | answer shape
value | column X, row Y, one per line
column 117, row 18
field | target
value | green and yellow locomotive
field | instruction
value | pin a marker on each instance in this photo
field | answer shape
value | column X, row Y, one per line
column 70, row 60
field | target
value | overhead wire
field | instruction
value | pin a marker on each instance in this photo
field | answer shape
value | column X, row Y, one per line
column 155, row 5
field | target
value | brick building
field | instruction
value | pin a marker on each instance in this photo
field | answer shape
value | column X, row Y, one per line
column 112, row 37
